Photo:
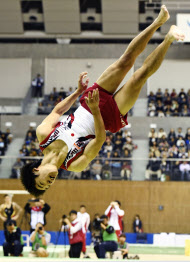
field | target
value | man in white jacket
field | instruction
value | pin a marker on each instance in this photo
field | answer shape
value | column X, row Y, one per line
column 115, row 215
column 84, row 217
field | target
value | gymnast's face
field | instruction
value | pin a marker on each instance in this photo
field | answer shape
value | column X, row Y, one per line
column 46, row 176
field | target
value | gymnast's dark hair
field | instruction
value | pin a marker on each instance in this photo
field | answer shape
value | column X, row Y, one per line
column 28, row 178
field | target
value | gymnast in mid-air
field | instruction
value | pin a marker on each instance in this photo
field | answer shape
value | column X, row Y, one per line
column 73, row 143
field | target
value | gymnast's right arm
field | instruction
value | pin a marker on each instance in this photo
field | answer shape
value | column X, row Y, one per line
column 94, row 146
column 53, row 118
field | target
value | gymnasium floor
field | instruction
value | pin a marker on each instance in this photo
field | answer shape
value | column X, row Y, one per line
column 145, row 252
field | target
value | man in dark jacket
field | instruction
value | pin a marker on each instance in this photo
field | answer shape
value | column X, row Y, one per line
column 37, row 211
column 14, row 242
column 109, row 239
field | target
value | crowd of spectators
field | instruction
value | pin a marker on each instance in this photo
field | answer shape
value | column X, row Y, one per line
column 165, row 104
column 168, row 154
column 5, row 139
column 50, row 101
column 30, row 148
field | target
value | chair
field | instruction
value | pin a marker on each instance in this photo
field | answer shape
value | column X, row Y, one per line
column 141, row 238
column 26, row 239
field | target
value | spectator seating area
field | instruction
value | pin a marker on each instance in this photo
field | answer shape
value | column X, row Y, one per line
column 29, row 148
column 112, row 162
column 48, row 102
column 5, row 139
column 168, row 104
column 168, row 155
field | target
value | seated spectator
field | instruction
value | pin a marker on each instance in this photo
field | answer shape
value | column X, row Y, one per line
column 137, row 224
column 153, row 167
column 16, row 168
column 108, row 146
column 40, row 240
column 159, row 106
column 2, row 147
column 106, row 171
column 13, row 244
column 185, row 111
column 151, row 97
column 54, row 93
column 161, row 133
column 109, row 239
column 174, row 106
column 159, row 95
column 175, row 113
column 182, row 94
column 116, row 166
column 160, row 113
column 123, row 246
column 179, row 133
column 152, row 109
column 166, row 95
column 167, row 111
column 173, row 150
column 29, row 138
column 182, row 152
column 187, row 142
column 184, row 170
column 173, row 94
column 180, row 142
column 8, row 136
column 171, row 134
column 62, row 93
column 126, row 171
column 85, row 174
column 96, row 170
column 152, row 133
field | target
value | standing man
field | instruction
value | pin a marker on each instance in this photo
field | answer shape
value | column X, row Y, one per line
column 115, row 215
column 9, row 210
column 75, row 233
column 37, row 211
column 84, row 217
column 13, row 240
column 40, row 240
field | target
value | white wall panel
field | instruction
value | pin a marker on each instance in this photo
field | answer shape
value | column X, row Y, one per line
column 15, row 75
column 65, row 72
column 171, row 74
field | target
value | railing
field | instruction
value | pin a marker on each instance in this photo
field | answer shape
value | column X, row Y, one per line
column 111, row 168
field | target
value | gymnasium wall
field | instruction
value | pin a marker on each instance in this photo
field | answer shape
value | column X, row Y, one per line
column 136, row 197
column 171, row 74
column 15, row 75
column 65, row 72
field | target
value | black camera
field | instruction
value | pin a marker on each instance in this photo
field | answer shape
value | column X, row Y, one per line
column 63, row 217
column 40, row 228
column 34, row 200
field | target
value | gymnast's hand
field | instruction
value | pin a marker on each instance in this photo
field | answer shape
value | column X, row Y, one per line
column 82, row 86
column 92, row 101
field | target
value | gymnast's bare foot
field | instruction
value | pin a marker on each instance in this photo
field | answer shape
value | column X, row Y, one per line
column 163, row 15
column 175, row 34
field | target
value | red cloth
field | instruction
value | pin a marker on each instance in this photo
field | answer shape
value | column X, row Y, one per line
column 76, row 237
column 84, row 243
column 113, row 120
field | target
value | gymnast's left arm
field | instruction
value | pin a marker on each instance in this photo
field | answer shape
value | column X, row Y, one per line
column 94, row 146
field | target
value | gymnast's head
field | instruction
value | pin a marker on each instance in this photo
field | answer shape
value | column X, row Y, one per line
column 37, row 178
